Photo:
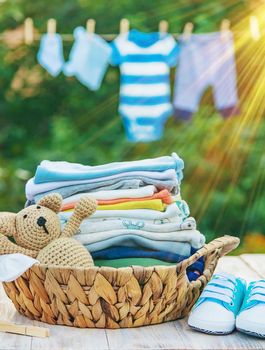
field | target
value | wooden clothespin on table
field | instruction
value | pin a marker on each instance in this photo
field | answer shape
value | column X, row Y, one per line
column 254, row 28
column 51, row 26
column 90, row 26
column 124, row 26
column 225, row 29
column 188, row 28
column 32, row 331
column 28, row 31
column 163, row 27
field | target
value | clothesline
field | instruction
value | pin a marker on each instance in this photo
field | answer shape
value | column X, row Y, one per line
column 145, row 61
column 31, row 34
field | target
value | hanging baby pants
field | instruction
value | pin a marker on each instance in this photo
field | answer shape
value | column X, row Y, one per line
column 145, row 60
column 206, row 60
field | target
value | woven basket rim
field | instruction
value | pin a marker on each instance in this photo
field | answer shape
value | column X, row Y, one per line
column 110, row 268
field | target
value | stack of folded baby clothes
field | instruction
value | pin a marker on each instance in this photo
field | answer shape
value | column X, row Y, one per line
column 141, row 218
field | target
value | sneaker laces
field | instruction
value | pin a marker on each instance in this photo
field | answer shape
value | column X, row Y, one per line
column 257, row 292
column 221, row 288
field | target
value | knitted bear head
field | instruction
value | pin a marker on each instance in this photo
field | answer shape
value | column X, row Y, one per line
column 35, row 226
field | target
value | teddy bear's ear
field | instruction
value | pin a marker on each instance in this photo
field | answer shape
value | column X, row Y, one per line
column 7, row 223
column 52, row 201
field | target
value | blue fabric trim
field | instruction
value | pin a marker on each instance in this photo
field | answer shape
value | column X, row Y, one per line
column 163, row 117
column 150, row 79
column 137, row 58
column 157, row 133
column 172, row 58
column 143, row 39
column 115, row 58
column 157, row 123
column 144, row 100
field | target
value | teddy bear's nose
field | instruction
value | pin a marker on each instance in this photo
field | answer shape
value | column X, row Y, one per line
column 41, row 221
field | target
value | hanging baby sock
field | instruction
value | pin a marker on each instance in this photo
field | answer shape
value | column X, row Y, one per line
column 50, row 54
column 205, row 60
column 88, row 58
column 145, row 60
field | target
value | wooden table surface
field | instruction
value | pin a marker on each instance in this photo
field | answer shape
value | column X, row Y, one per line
column 171, row 335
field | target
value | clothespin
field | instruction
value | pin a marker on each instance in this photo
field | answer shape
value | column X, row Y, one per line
column 51, row 26
column 225, row 28
column 163, row 27
column 254, row 28
column 32, row 331
column 188, row 28
column 28, row 31
column 90, row 26
column 124, row 26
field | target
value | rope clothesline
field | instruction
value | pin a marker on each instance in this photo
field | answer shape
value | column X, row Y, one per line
column 30, row 34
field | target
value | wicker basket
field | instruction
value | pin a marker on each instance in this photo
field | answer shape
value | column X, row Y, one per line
column 105, row 297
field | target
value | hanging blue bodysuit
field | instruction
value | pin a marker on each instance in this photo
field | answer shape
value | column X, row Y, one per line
column 145, row 60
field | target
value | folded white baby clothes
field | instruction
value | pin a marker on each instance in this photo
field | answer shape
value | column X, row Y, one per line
column 94, row 225
column 14, row 265
column 145, row 191
column 132, row 240
column 193, row 237
column 148, row 177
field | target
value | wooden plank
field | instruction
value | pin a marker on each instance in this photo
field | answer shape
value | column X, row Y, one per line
column 236, row 266
column 163, row 336
column 70, row 338
column 178, row 335
column 199, row 341
column 255, row 262
column 9, row 313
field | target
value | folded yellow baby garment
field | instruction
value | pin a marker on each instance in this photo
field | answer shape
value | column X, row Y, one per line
column 155, row 204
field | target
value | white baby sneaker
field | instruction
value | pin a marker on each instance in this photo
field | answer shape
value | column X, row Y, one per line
column 216, row 309
column 251, row 317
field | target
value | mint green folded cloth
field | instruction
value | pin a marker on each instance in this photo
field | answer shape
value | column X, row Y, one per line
column 125, row 262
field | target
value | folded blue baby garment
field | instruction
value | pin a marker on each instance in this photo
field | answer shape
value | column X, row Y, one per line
column 118, row 252
column 89, row 58
column 50, row 54
column 49, row 171
column 113, row 184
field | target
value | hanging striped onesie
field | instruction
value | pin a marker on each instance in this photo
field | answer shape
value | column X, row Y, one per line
column 145, row 60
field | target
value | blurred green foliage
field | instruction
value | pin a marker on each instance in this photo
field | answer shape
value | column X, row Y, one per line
column 42, row 117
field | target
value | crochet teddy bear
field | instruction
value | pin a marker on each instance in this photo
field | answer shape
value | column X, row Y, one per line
column 37, row 232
